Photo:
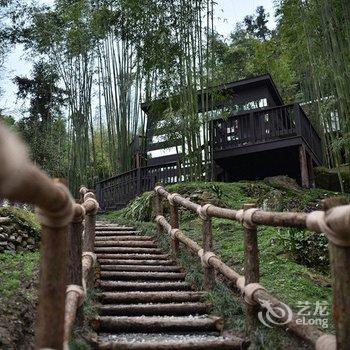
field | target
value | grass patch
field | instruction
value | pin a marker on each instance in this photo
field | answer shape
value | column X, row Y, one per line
column 16, row 268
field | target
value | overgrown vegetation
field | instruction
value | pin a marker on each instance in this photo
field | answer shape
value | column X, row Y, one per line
column 23, row 217
column 16, row 269
column 293, row 266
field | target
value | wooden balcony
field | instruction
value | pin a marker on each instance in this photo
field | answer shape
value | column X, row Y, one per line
column 264, row 130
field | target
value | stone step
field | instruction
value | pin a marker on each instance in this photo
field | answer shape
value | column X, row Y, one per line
column 158, row 324
column 150, row 297
column 132, row 256
column 123, row 238
column 144, row 286
column 139, row 268
column 116, row 233
column 135, row 262
column 117, row 244
column 141, row 276
column 168, row 309
column 135, row 250
column 170, row 341
column 114, row 228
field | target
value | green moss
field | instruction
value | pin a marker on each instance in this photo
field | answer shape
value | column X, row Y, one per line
column 16, row 268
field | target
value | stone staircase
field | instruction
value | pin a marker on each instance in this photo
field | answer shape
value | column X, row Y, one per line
column 145, row 302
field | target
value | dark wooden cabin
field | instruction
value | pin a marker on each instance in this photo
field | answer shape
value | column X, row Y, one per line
column 260, row 137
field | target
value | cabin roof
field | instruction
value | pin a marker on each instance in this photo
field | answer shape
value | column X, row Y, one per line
column 234, row 86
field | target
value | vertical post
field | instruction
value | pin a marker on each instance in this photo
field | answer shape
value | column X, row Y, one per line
column 252, row 127
column 91, row 207
column 174, row 222
column 340, row 262
column 251, row 266
column 158, row 209
column 138, row 185
column 303, row 167
column 207, row 232
column 52, row 288
column 89, row 232
column 297, row 116
column 311, row 171
column 74, row 264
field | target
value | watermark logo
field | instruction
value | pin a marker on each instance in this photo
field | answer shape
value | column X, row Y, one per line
column 272, row 315
column 311, row 314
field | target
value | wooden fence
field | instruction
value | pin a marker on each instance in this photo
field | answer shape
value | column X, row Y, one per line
column 63, row 281
column 333, row 221
column 115, row 193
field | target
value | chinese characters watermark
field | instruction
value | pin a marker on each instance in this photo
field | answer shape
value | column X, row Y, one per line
column 311, row 314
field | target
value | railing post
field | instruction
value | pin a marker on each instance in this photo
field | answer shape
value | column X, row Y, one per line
column 138, row 186
column 252, row 127
column 174, row 222
column 75, row 232
column 158, row 208
column 251, row 262
column 53, row 274
column 339, row 255
column 75, row 291
column 207, row 234
column 297, row 114
column 91, row 207
column 304, row 172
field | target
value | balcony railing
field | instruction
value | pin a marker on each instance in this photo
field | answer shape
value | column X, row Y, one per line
column 117, row 191
column 266, row 125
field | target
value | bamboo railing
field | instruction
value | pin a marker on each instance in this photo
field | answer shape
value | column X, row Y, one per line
column 62, row 280
column 334, row 221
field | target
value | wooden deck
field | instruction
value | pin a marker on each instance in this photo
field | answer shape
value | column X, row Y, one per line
column 264, row 130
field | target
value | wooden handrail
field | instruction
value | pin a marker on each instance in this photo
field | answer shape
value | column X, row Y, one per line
column 334, row 222
column 22, row 181
column 81, row 261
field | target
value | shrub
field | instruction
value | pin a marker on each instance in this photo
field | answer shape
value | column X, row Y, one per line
column 307, row 248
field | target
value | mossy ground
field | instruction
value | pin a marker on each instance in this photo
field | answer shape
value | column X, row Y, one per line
column 19, row 267
column 286, row 279
column 16, row 268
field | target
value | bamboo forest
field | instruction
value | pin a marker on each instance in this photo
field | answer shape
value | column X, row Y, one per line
column 159, row 159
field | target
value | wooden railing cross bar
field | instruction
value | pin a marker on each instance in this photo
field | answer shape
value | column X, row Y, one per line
column 334, row 222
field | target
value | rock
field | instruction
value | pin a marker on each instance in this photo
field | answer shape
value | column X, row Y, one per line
column 11, row 247
column 283, row 183
column 5, row 220
column 204, row 197
column 273, row 201
column 31, row 241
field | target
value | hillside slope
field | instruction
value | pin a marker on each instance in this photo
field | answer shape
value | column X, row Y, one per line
column 294, row 263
